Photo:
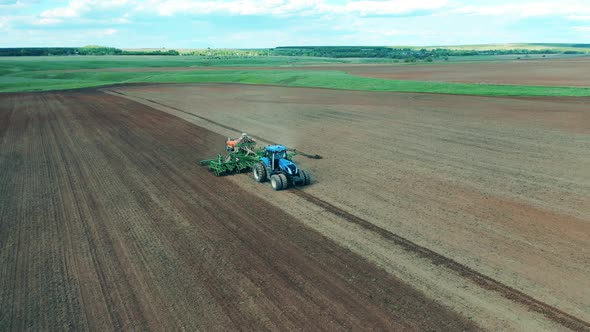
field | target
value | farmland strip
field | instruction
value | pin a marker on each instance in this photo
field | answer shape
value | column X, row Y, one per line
column 481, row 280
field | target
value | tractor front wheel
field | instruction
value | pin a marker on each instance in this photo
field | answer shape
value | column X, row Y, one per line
column 259, row 171
column 284, row 180
column 278, row 182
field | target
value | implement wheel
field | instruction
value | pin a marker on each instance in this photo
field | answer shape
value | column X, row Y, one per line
column 259, row 171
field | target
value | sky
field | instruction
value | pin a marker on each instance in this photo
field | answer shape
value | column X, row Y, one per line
column 270, row 23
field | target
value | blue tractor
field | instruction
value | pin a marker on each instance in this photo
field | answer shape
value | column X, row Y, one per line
column 276, row 165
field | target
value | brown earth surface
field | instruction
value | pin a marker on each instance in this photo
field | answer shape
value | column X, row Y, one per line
column 107, row 222
column 548, row 72
column 501, row 185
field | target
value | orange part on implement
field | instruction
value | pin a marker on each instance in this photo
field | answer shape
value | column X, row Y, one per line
column 231, row 143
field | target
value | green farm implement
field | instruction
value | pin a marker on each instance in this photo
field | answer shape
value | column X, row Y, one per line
column 242, row 155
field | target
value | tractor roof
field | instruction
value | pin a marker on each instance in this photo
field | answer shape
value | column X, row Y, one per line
column 276, row 148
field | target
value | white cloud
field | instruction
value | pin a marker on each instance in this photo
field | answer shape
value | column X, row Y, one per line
column 579, row 17
column 582, row 29
column 11, row 5
column 573, row 9
column 76, row 14
column 61, row 37
column 109, row 32
column 47, row 21
column 70, row 11
column 290, row 7
column 76, row 8
column 121, row 20
column 391, row 7
column 241, row 7
column 528, row 9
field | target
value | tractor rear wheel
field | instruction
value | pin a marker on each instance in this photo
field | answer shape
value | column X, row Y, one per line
column 278, row 182
column 259, row 171
column 305, row 178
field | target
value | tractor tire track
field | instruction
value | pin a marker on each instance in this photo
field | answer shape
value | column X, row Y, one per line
column 479, row 279
column 305, row 154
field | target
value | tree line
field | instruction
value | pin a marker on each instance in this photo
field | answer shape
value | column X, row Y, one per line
column 86, row 50
column 406, row 54
column 397, row 53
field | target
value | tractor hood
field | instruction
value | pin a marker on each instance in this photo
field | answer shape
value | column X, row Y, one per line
column 288, row 167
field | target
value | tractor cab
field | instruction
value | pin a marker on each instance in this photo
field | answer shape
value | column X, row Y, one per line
column 277, row 160
column 276, row 152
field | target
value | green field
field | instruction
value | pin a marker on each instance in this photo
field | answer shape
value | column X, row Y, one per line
column 45, row 73
column 11, row 65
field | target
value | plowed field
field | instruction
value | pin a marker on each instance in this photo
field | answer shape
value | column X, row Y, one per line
column 500, row 185
column 551, row 72
column 107, row 222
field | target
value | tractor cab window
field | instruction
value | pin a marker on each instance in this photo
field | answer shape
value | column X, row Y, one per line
column 280, row 155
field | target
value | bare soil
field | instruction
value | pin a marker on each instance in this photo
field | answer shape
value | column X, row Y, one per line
column 550, row 72
column 107, row 222
column 500, row 185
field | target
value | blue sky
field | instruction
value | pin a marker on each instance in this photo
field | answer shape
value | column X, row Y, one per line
column 270, row 23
